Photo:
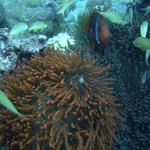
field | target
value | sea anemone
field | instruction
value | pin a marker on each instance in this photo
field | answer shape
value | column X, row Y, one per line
column 67, row 102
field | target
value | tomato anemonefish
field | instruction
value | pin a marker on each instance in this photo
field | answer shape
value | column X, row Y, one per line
column 98, row 33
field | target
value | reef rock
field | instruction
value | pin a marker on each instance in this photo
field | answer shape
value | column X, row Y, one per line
column 12, row 48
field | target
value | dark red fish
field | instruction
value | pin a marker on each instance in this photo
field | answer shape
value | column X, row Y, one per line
column 98, row 32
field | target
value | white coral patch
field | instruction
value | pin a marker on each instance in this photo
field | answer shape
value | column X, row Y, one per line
column 61, row 41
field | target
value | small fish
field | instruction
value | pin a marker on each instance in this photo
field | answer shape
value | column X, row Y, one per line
column 38, row 26
column 18, row 29
column 113, row 17
column 66, row 4
column 4, row 101
column 98, row 33
column 142, row 43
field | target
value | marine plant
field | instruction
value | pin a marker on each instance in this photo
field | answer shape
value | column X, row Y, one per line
column 67, row 103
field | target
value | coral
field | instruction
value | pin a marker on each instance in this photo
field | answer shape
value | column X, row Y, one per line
column 67, row 102
column 138, row 120
column 61, row 42
column 128, row 68
column 14, row 49
column 135, row 131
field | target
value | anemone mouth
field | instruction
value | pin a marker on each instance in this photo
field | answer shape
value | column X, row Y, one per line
column 81, row 79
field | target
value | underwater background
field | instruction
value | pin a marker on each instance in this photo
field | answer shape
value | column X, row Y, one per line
column 74, row 75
